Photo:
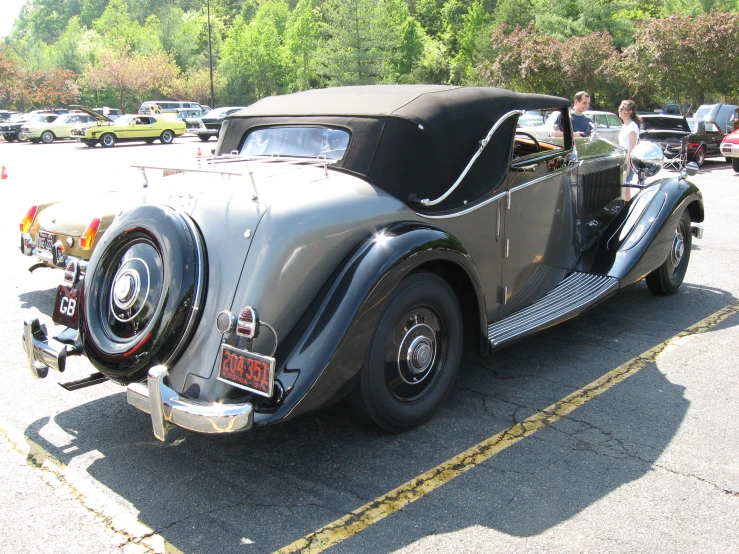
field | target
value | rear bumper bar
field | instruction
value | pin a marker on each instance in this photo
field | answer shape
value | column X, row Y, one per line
column 169, row 409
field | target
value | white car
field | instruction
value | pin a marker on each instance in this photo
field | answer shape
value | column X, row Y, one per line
column 607, row 124
column 40, row 130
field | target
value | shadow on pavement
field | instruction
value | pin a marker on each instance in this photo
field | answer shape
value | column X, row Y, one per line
column 276, row 484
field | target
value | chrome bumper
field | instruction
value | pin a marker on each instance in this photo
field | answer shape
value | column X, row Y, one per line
column 43, row 352
column 169, row 409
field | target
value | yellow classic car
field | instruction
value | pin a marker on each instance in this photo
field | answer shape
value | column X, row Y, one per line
column 130, row 127
column 40, row 130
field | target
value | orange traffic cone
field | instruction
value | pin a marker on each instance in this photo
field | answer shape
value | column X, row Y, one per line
column 4, row 174
column 199, row 154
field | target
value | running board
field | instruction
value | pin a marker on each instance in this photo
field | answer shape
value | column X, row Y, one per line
column 576, row 293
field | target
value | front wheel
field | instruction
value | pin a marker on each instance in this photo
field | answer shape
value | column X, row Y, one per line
column 413, row 357
column 700, row 157
column 735, row 164
column 47, row 137
column 204, row 138
column 22, row 137
column 668, row 277
column 107, row 140
column 167, row 137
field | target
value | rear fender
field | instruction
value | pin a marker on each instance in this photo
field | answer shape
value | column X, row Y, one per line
column 328, row 347
column 638, row 241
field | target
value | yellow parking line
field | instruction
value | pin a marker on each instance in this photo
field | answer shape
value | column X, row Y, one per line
column 416, row 488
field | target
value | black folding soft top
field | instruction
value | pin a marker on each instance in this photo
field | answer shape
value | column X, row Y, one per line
column 412, row 140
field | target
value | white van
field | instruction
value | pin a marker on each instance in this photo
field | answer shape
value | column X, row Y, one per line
column 166, row 106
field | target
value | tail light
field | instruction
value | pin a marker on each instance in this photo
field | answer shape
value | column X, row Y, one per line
column 248, row 324
column 28, row 219
column 88, row 237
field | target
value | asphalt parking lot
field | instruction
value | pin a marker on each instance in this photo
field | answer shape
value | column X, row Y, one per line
column 613, row 432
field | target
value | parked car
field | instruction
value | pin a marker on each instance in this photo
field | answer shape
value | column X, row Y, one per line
column 42, row 130
column 13, row 129
column 165, row 106
column 128, row 128
column 191, row 117
column 676, row 109
column 348, row 242
column 706, row 137
column 606, row 124
column 110, row 113
column 210, row 124
column 730, row 149
column 59, row 232
column 673, row 135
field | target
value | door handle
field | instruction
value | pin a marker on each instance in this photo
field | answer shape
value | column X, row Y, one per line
column 497, row 221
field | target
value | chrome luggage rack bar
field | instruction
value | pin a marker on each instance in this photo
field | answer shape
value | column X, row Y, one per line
column 212, row 161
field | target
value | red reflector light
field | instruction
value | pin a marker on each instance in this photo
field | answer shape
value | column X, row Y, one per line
column 248, row 323
column 28, row 219
column 88, row 237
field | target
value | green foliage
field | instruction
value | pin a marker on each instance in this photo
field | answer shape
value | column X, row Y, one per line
column 651, row 50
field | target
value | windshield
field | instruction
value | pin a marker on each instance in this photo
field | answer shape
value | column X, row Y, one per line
column 125, row 119
column 304, row 142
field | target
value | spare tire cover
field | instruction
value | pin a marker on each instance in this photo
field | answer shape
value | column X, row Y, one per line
column 144, row 291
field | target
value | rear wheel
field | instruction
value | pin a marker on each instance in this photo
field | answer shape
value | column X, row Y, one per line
column 167, row 137
column 34, row 141
column 700, row 156
column 204, row 138
column 47, row 137
column 735, row 164
column 668, row 277
column 90, row 143
column 413, row 357
column 107, row 140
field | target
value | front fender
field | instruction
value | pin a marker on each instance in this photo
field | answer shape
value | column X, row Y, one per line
column 328, row 347
column 638, row 241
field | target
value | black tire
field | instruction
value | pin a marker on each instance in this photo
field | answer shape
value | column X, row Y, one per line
column 700, row 156
column 167, row 137
column 34, row 141
column 144, row 286
column 90, row 143
column 9, row 138
column 414, row 355
column 668, row 277
column 149, row 141
column 735, row 164
column 204, row 138
column 22, row 137
column 47, row 137
column 107, row 140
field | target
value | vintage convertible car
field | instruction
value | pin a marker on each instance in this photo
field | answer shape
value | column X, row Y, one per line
column 130, row 127
column 347, row 242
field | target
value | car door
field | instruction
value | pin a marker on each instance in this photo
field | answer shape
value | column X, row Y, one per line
column 539, row 230
column 713, row 137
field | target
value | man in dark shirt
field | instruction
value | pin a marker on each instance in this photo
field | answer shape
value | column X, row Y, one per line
column 582, row 125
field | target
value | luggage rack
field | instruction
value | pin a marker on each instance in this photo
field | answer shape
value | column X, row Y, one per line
column 212, row 161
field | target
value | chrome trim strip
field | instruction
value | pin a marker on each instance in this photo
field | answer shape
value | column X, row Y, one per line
column 539, row 179
column 464, row 212
column 168, row 409
column 483, row 144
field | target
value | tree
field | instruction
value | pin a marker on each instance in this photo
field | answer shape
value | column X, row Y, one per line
column 301, row 43
column 10, row 71
column 133, row 75
column 48, row 89
column 360, row 38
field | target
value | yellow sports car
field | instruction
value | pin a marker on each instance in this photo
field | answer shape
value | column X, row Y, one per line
column 130, row 127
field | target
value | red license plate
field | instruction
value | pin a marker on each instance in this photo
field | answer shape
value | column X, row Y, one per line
column 67, row 306
column 247, row 370
column 45, row 240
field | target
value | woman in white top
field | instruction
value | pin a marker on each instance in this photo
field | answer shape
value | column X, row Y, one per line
column 628, row 136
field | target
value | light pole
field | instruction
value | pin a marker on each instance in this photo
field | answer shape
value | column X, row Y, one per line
column 210, row 58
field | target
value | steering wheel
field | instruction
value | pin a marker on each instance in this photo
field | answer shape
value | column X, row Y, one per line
column 532, row 137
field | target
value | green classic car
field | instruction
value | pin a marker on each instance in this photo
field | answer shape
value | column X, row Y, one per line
column 130, row 127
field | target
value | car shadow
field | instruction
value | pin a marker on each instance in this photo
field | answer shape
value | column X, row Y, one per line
column 275, row 484
column 42, row 300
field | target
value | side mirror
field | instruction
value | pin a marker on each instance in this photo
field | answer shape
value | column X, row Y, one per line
column 690, row 169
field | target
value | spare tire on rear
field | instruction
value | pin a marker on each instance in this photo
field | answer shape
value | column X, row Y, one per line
column 144, row 291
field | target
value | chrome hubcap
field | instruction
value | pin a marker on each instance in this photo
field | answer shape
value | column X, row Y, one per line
column 417, row 353
column 126, row 290
column 678, row 248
